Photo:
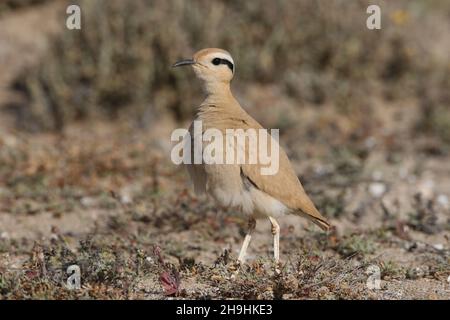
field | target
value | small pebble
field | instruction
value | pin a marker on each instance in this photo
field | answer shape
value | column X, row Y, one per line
column 426, row 188
column 442, row 199
column 87, row 201
column 126, row 199
column 377, row 189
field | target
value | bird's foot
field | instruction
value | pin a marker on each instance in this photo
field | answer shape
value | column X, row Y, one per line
column 277, row 267
column 234, row 268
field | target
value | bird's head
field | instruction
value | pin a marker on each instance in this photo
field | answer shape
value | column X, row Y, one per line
column 211, row 65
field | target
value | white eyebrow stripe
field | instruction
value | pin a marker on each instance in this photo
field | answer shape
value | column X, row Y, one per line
column 222, row 55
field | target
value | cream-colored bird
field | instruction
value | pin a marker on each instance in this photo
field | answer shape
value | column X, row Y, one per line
column 242, row 186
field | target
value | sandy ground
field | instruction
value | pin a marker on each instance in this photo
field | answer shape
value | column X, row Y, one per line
column 125, row 206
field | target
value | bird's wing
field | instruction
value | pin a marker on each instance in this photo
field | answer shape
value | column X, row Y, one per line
column 284, row 185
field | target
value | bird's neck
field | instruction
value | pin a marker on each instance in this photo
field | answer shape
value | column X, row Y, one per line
column 218, row 92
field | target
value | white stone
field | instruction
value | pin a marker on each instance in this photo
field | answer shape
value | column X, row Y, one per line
column 4, row 235
column 442, row 199
column 426, row 188
column 125, row 199
column 377, row 189
column 87, row 201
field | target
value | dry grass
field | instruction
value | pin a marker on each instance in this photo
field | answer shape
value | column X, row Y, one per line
column 317, row 52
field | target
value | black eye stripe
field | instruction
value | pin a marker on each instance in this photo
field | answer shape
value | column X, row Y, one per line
column 217, row 61
column 228, row 63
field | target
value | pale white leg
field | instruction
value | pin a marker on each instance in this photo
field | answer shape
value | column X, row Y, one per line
column 276, row 239
column 248, row 236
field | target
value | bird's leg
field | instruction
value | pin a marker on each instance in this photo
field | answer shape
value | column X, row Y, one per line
column 276, row 240
column 243, row 252
column 248, row 236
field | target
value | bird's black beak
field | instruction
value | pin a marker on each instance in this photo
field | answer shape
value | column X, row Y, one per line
column 185, row 62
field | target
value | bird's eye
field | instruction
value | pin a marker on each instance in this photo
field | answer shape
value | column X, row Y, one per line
column 216, row 61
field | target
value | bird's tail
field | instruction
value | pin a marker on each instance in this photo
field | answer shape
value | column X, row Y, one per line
column 309, row 211
column 321, row 222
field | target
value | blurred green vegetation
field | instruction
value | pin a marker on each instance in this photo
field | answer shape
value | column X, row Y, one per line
column 316, row 51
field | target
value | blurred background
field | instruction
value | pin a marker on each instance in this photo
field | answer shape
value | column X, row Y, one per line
column 86, row 117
